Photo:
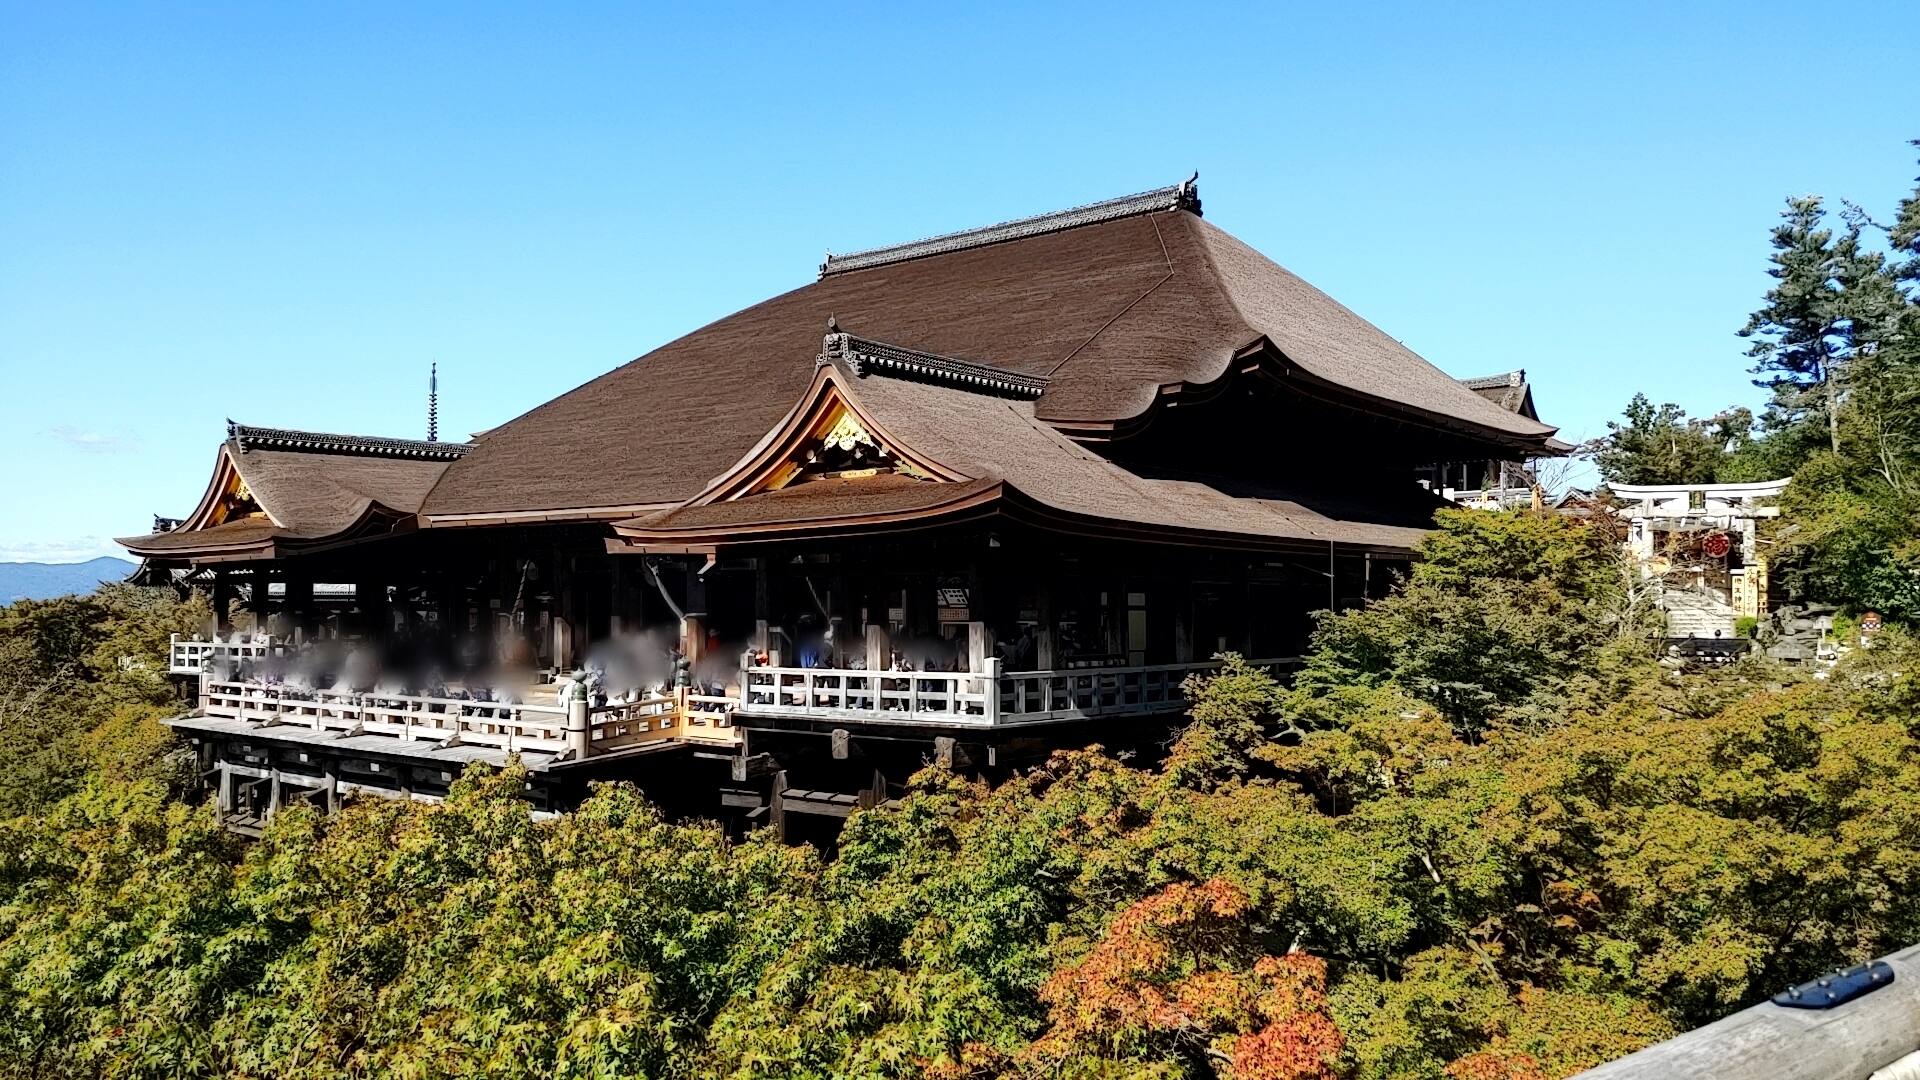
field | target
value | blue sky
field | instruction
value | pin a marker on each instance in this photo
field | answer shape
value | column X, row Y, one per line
column 282, row 214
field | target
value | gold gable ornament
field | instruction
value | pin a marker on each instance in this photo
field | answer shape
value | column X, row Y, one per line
column 845, row 434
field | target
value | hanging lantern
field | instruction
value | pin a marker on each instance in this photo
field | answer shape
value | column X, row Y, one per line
column 1717, row 545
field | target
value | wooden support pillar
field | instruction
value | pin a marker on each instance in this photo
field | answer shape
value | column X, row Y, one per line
column 762, row 592
column 296, row 610
column 879, row 648
column 222, row 600
column 260, row 597
column 693, row 638
column 777, row 807
column 1333, row 578
column 1182, row 623
column 560, row 621
column 1046, row 636
column 375, row 620
column 979, row 645
column 331, row 769
column 617, row 598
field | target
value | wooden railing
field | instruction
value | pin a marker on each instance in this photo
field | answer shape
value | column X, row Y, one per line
column 573, row 728
column 1032, row 696
column 708, row 717
column 974, row 698
column 409, row 718
column 189, row 656
column 911, row 696
column 613, row 726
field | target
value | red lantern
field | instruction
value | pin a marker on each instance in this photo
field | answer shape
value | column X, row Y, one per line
column 1717, row 545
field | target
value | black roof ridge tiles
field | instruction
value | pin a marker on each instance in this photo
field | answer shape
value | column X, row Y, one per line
column 1182, row 196
column 251, row 437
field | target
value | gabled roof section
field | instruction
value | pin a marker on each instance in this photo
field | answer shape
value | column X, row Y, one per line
column 1509, row 390
column 274, row 490
column 247, row 437
column 827, row 417
column 1182, row 196
column 970, row 451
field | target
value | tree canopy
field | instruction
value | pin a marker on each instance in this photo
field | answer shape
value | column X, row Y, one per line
column 1469, row 842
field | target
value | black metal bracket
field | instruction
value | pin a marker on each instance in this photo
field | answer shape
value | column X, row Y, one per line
column 1837, row 988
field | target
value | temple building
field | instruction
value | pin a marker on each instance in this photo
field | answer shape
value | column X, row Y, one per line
column 1496, row 483
column 963, row 500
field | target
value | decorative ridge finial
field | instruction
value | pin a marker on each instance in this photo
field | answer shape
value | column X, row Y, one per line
column 861, row 357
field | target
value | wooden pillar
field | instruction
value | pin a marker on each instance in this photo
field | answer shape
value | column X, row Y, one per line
column 448, row 613
column 1333, row 579
column 979, row 645
column 693, row 638
column 777, row 807
column 562, row 618
column 879, row 649
column 617, row 598
column 1241, row 587
column 296, row 610
column 260, row 597
column 222, row 600
column 1182, row 597
column 374, row 608
column 762, row 594
column 1046, row 635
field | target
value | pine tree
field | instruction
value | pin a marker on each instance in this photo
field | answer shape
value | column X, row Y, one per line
column 1905, row 233
column 1663, row 446
column 1799, row 341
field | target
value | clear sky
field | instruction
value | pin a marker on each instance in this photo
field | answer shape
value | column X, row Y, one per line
column 282, row 213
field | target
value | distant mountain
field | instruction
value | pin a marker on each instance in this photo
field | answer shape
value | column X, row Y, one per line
column 43, row 581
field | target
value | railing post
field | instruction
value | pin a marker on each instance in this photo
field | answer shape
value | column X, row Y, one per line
column 579, row 738
column 990, row 702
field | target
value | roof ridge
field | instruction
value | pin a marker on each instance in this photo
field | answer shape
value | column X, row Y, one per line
column 1516, row 377
column 1182, row 196
column 865, row 356
column 251, row 437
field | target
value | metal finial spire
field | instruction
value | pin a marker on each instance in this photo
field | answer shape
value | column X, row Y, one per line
column 433, row 402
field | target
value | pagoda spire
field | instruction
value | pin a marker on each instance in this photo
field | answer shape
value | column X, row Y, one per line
column 433, row 402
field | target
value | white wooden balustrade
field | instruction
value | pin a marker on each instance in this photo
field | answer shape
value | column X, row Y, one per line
column 974, row 698
column 551, row 728
column 960, row 697
column 618, row 725
column 1033, row 696
column 189, row 656
column 407, row 717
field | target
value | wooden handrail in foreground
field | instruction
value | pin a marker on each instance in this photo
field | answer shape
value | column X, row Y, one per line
column 1850, row 1041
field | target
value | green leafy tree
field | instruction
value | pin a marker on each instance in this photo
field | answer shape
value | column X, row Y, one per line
column 1501, row 616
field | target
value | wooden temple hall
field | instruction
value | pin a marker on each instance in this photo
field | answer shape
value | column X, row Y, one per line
column 963, row 500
